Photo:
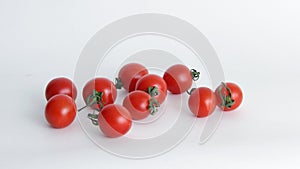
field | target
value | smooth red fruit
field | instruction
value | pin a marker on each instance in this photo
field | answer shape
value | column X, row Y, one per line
column 137, row 103
column 60, row 85
column 130, row 74
column 60, row 111
column 202, row 102
column 114, row 120
column 152, row 80
column 229, row 98
column 103, row 85
column 178, row 78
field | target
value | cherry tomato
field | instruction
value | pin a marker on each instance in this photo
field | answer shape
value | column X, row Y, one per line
column 229, row 96
column 140, row 104
column 60, row 111
column 202, row 102
column 60, row 85
column 114, row 120
column 129, row 75
column 179, row 78
column 154, row 85
column 99, row 92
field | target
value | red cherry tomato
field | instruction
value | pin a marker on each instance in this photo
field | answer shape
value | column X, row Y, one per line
column 229, row 96
column 202, row 102
column 140, row 104
column 114, row 120
column 151, row 81
column 60, row 85
column 60, row 111
column 179, row 78
column 99, row 92
column 129, row 75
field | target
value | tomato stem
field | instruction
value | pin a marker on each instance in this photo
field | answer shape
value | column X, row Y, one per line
column 153, row 103
column 94, row 98
column 82, row 108
column 94, row 118
column 191, row 91
column 153, row 106
column 227, row 100
column 118, row 83
column 195, row 74
column 153, row 91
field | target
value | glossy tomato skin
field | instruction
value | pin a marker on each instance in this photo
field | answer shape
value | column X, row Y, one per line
column 60, row 85
column 114, row 120
column 178, row 78
column 100, row 85
column 202, row 102
column 152, row 80
column 137, row 103
column 130, row 73
column 60, row 111
column 236, row 95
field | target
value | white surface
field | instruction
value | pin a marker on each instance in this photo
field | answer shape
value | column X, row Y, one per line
column 257, row 43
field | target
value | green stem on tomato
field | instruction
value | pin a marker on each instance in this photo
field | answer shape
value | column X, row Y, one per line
column 227, row 100
column 195, row 74
column 153, row 103
column 118, row 83
column 153, row 91
column 94, row 98
column 94, row 118
column 191, row 91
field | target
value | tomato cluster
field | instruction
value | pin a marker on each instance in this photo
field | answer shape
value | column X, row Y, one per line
column 146, row 92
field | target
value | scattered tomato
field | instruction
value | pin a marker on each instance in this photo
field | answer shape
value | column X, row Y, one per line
column 229, row 96
column 202, row 101
column 60, row 85
column 179, row 78
column 140, row 104
column 129, row 75
column 60, row 111
column 114, row 120
column 154, row 85
column 99, row 92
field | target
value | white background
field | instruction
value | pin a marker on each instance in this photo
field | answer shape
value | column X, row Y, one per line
column 258, row 45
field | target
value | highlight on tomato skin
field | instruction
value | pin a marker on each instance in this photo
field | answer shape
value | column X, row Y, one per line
column 202, row 102
column 129, row 74
column 60, row 111
column 60, row 85
column 114, row 120
column 229, row 96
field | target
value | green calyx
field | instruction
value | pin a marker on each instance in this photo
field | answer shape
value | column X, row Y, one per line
column 153, row 91
column 118, row 83
column 153, row 103
column 195, row 74
column 95, row 98
column 191, row 91
column 92, row 99
column 94, row 118
column 227, row 100
column 153, row 106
